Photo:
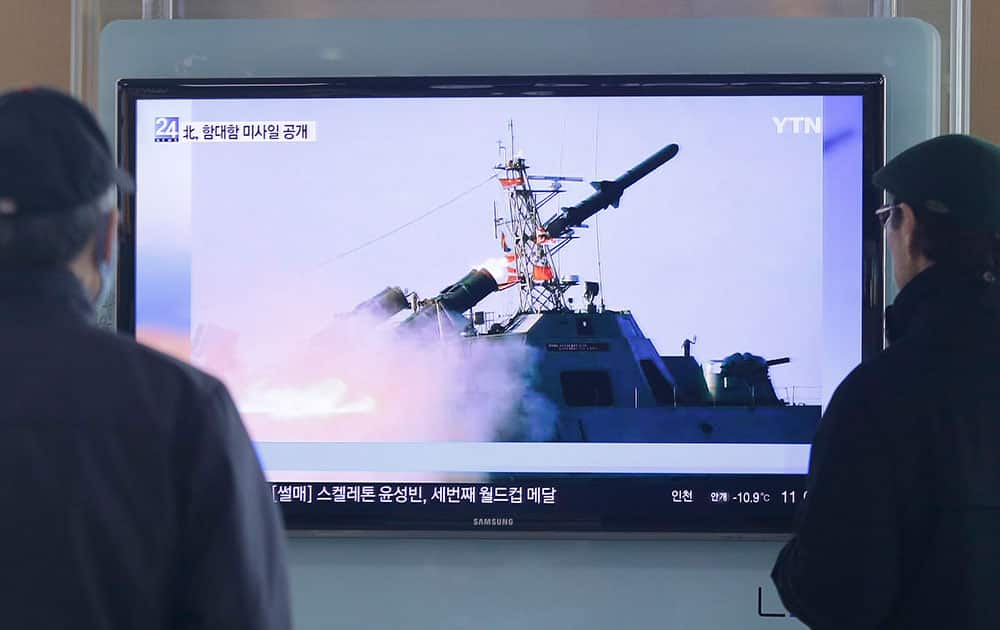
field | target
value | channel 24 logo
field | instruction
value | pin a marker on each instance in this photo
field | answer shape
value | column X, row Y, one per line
column 167, row 129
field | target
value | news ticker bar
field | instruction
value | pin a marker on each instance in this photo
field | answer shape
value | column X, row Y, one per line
column 754, row 503
column 323, row 460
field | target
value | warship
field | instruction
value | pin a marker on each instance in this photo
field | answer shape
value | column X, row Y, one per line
column 606, row 380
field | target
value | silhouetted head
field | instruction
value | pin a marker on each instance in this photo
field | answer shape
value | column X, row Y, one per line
column 58, row 189
column 946, row 207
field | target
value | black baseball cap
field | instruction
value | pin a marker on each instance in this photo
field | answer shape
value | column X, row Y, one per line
column 53, row 155
column 954, row 175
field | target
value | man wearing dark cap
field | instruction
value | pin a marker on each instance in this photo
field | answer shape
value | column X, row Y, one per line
column 132, row 497
column 901, row 524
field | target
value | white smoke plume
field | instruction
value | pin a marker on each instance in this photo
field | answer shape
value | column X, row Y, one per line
column 365, row 380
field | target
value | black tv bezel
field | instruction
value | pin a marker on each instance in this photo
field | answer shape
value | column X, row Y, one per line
column 601, row 522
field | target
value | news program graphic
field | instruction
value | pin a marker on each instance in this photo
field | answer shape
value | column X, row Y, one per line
column 167, row 129
column 807, row 125
column 269, row 131
column 720, row 496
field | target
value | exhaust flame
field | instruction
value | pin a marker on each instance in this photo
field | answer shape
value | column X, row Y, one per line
column 325, row 398
column 496, row 267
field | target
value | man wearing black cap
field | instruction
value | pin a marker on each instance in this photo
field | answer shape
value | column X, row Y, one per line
column 901, row 525
column 132, row 497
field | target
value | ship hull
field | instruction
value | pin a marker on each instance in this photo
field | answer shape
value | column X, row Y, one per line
column 701, row 425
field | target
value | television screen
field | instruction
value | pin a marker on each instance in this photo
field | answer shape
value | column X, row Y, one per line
column 555, row 304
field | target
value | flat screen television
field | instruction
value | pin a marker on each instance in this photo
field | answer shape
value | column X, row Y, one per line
column 569, row 304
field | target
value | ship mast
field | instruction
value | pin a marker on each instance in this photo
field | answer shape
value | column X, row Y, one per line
column 533, row 243
column 527, row 245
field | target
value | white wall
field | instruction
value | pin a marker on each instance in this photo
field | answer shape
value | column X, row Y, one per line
column 522, row 584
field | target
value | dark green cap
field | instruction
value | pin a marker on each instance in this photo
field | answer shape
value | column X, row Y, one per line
column 955, row 175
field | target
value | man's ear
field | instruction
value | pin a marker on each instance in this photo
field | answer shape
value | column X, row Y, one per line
column 907, row 226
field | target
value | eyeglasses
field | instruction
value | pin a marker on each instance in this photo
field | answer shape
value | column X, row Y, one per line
column 885, row 212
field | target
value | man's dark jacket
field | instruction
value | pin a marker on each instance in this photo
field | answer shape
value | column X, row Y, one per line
column 901, row 526
column 131, row 495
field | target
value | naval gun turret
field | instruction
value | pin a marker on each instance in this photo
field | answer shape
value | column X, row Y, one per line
column 744, row 379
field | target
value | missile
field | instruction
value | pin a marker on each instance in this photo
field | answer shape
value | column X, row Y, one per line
column 608, row 193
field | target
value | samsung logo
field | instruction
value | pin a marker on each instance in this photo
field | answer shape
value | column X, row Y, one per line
column 798, row 124
column 492, row 522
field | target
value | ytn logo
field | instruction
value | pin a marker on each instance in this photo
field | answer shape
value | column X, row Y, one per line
column 167, row 129
column 798, row 124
